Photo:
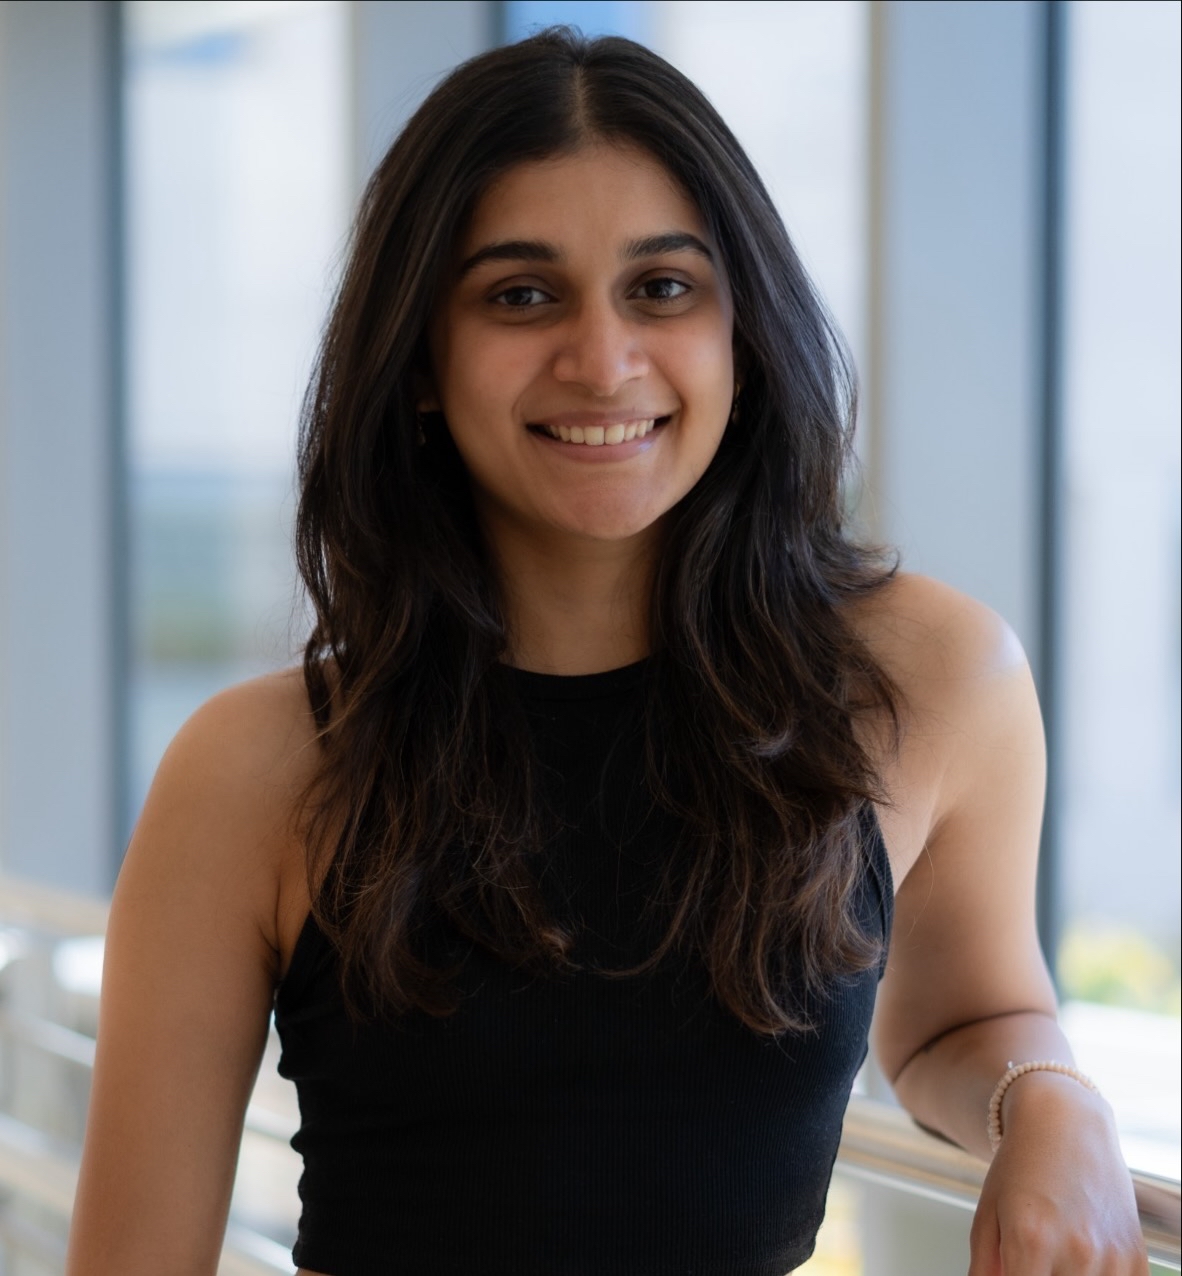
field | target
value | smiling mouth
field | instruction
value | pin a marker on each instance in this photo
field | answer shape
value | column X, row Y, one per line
column 600, row 435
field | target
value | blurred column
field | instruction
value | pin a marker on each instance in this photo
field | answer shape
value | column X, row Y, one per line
column 957, row 299
column 958, row 365
column 60, row 745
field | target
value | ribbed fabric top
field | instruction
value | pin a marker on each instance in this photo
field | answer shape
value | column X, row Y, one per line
column 573, row 1125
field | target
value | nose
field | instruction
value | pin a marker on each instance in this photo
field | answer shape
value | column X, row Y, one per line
column 600, row 350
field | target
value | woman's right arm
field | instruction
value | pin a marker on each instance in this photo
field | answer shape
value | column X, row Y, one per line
column 191, row 961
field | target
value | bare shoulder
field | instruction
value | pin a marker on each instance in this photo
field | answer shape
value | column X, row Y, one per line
column 967, row 698
column 961, row 819
column 932, row 637
column 264, row 723
column 222, row 811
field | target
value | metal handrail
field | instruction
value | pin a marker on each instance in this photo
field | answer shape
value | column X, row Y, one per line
column 76, row 1047
column 39, row 1168
column 879, row 1142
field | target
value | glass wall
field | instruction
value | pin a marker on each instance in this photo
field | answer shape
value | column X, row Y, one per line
column 1119, row 627
column 792, row 81
column 237, row 199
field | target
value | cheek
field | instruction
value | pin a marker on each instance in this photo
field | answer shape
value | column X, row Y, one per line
column 483, row 380
column 706, row 369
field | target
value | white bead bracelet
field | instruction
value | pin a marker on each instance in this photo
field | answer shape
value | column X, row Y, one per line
column 1017, row 1070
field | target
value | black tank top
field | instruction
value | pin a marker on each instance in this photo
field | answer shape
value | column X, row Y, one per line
column 573, row 1125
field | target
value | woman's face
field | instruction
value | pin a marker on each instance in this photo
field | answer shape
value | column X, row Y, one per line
column 583, row 355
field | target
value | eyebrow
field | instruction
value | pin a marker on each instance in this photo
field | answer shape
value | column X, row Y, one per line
column 539, row 250
column 676, row 241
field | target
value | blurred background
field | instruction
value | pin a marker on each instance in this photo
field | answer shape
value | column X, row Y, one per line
column 988, row 197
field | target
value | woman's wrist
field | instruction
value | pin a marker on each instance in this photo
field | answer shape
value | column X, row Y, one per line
column 1039, row 1097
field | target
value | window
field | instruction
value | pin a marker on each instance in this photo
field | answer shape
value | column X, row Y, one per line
column 1119, row 727
column 238, row 197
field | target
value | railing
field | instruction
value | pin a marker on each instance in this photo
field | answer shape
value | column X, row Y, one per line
column 36, row 1169
column 879, row 1142
column 40, row 1170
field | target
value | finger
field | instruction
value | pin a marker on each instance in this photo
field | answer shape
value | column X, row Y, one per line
column 985, row 1244
column 1028, row 1249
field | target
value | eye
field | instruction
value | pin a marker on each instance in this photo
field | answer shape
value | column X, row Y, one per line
column 520, row 297
column 663, row 288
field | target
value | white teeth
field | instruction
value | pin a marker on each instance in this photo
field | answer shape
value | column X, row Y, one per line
column 599, row 435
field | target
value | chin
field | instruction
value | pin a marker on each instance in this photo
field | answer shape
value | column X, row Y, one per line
column 612, row 526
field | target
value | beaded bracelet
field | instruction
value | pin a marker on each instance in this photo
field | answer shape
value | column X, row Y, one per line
column 1017, row 1070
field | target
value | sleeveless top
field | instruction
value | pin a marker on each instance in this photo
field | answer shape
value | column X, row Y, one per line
column 574, row 1124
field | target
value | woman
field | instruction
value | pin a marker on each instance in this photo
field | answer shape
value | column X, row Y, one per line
column 567, row 862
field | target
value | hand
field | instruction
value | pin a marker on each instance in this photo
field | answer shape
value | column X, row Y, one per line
column 1058, row 1199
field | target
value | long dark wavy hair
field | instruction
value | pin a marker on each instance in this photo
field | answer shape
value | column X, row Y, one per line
column 426, row 799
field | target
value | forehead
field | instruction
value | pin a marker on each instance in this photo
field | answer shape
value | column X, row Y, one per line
column 603, row 191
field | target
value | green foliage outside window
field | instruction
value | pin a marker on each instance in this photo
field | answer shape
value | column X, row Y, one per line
column 1117, row 966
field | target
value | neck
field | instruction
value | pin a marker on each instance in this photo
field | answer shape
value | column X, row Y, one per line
column 576, row 605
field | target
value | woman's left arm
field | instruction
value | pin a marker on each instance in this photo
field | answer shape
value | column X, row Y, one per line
column 967, row 993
